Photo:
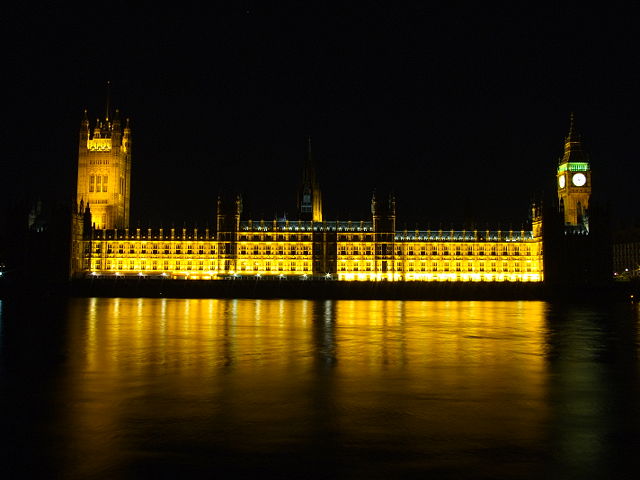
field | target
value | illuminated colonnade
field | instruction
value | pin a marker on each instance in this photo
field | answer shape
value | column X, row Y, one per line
column 286, row 250
column 443, row 256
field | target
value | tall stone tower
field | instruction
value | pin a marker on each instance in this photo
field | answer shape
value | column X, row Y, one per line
column 104, row 170
column 227, row 227
column 575, row 227
column 310, row 197
column 574, row 182
column 383, row 213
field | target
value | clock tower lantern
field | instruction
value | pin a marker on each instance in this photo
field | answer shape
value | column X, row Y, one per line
column 574, row 182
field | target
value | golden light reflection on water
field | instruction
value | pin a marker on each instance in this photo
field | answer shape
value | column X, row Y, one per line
column 375, row 389
column 137, row 334
column 268, row 374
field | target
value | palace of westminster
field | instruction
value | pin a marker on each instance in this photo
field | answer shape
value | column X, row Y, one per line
column 313, row 247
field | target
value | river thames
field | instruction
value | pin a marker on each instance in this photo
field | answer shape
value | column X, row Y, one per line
column 155, row 388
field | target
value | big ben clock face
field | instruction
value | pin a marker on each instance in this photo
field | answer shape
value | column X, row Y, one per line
column 579, row 179
column 561, row 181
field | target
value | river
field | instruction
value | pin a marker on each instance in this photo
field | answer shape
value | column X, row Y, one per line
column 156, row 388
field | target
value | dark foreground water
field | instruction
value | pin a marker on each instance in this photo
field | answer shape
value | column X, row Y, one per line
column 156, row 388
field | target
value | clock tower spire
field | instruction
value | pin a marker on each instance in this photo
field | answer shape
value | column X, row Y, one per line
column 574, row 181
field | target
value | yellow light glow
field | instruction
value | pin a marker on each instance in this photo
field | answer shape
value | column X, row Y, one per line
column 423, row 261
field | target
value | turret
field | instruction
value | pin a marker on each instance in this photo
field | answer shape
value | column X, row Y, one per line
column 116, row 136
column 227, row 226
column 86, row 221
column 228, row 215
column 536, row 220
column 383, row 213
column 84, row 130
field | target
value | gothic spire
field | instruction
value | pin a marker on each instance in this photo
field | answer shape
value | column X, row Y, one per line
column 107, row 106
column 572, row 136
column 310, row 197
column 573, row 150
column 308, row 175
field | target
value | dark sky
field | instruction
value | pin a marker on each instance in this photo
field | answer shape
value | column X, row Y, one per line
column 459, row 109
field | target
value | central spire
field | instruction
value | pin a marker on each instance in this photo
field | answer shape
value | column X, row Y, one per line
column 309, row 174
column 310, row 198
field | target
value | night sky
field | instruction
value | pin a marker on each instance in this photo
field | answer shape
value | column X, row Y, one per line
column 461, row 110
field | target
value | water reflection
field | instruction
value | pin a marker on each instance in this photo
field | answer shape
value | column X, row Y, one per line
column 130, row 334
column 335, row 388
column 593, row 372
column 404, row 376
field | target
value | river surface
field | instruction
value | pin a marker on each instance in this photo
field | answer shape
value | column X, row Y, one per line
column 178, row 388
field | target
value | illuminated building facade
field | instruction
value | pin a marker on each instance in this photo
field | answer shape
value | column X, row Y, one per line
column 291, row 249
column 104, row 170
column 372, row 249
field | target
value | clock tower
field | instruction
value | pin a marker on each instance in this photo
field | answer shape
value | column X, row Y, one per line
column 574, row 182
